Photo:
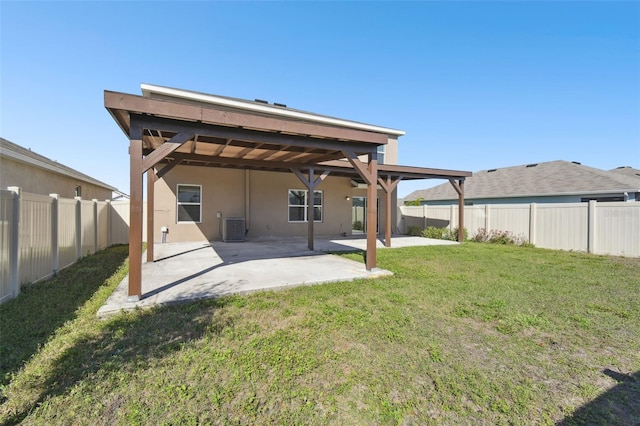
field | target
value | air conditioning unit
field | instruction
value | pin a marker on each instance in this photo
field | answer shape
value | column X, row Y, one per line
column 233, row 229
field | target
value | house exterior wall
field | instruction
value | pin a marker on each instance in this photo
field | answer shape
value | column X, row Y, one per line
column 258, row 196
column 39, row 181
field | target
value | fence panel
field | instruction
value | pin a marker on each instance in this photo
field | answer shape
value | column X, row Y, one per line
column 67, row 232
column 510, row 217
column 562, row 226
column 617, row 228
column 7, row 221
column 103, row 224
column 87, row 224
column 35, row 255
column 119, row 225
column 475, row 217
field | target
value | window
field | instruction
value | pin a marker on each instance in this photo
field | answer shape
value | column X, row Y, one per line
column 380, row 153
column 298, row 205
column 78, row 191
column 189, row 204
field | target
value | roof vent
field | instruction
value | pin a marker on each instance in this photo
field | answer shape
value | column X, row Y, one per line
column 622, row 167
column 532, row 165
column 575, row 162
column 491, row 170
column 280, row 105
column 262, row 101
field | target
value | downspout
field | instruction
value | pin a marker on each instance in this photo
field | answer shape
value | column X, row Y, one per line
column 247, row 201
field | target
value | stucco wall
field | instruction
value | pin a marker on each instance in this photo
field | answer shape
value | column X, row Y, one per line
column 260, row 197
column 38, row 181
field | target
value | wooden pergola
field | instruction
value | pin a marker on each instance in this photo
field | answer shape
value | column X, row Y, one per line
column 171, row 132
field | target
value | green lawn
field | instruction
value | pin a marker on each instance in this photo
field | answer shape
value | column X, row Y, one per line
column 476, row 333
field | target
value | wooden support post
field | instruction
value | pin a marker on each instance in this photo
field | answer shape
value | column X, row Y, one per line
column 310, row 212
column 389, row 186
column 311, row 184
column 151, row 180
column 372, row 212
column 459, row 187
column 135, row 214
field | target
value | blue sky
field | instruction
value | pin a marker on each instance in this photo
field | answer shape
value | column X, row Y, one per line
column 475, row 85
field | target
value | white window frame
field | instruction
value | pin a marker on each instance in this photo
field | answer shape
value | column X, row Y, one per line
column 304, row 206
column 381, row 153
column 178, row 203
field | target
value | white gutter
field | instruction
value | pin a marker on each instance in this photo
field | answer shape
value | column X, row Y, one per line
column 551, row 194
column 266, row 109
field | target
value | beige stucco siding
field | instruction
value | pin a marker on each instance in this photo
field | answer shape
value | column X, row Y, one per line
column 260, row 197
column 39, row 181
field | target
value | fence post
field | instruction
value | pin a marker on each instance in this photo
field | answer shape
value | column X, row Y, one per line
column 14, row 249
column 95, row 224
column 108, row 210
column 451, row 216
column 532, row 223
column 78, row 227
column 55, row 209
column 487, row 214
column 591, row 232
column 424, row 216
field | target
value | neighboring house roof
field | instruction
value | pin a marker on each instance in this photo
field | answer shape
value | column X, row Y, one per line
column 627, row 171
column 15, row 152
column 261, row 107
column 551, row 178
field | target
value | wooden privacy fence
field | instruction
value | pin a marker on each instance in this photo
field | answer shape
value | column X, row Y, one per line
column 40, row 234
column 602, row 228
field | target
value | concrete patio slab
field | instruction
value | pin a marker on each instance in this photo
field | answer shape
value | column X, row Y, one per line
column 191, row 271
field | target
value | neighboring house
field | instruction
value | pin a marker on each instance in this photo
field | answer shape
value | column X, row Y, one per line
column 627, row 171
column 37, row 174
column 548, row 182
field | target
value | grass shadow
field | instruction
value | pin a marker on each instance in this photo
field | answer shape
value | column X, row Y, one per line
column 124, row 344
column 28, row 321
column 618, row 406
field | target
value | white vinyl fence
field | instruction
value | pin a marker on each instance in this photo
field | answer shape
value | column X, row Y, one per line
column 602, row 228
column 40, row 234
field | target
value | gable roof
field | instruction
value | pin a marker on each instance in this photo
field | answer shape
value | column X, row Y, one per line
column 18, row 153
column 541, row 179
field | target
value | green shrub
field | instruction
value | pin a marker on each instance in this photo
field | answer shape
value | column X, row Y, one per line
column 444, row 233
column 357, row 225
column 495, row 236
column 414, row 230
column 433, row 232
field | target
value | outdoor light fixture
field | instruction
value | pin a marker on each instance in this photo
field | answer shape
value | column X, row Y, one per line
column 346, row 198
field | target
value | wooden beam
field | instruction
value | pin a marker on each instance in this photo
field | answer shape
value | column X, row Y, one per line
column 372, row 211
column 168, row 124
column 221, row 148
column 151, row 180
column 116, row 102
column 165, row 149
column 360, row 167
column 167, row 167
column 135, row 215
column 253, row 163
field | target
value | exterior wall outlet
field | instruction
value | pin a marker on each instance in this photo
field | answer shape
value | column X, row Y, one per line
column 219, row 215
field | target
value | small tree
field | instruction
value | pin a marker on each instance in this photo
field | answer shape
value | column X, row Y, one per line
column 416, row 202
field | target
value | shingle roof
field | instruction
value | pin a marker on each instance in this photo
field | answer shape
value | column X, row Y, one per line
column 549, row 178
column 19, row 153
column 626, row 170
